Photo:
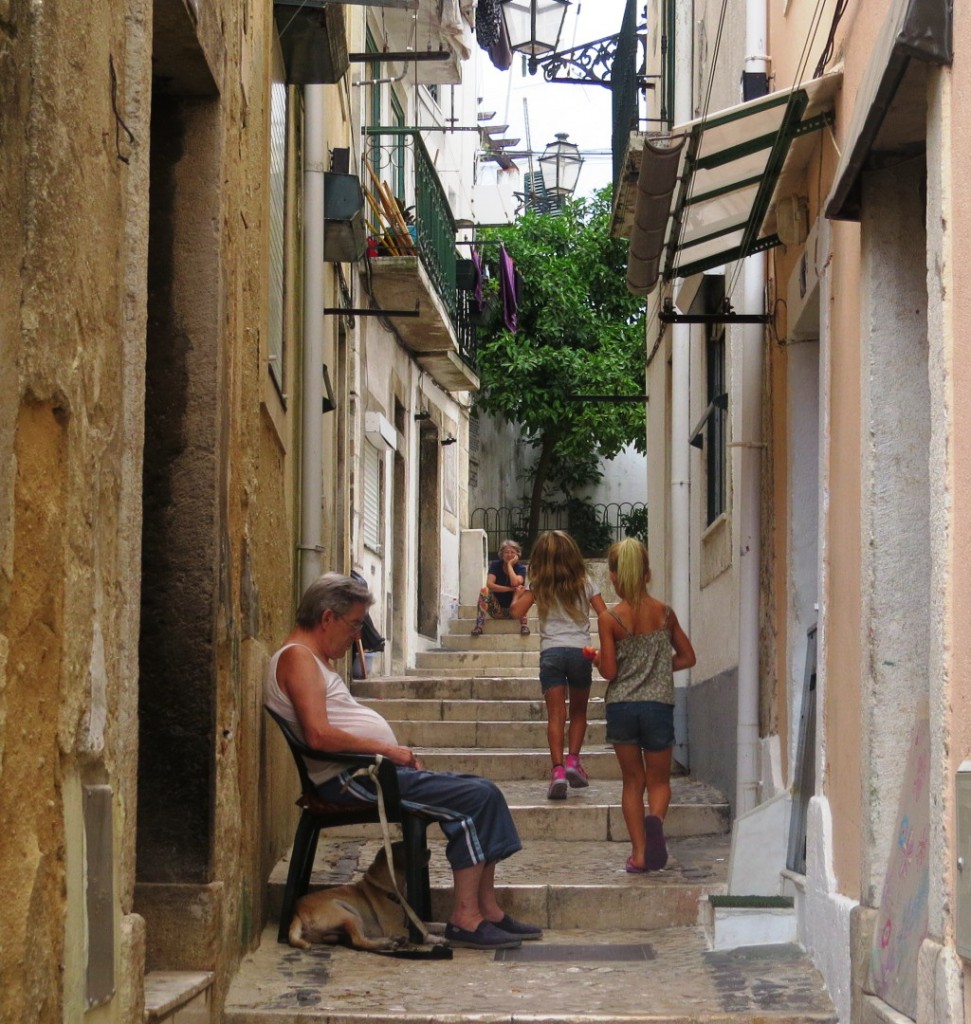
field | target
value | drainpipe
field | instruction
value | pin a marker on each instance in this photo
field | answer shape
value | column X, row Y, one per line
column 311, row 485
column 681, row 412
column 748, row 362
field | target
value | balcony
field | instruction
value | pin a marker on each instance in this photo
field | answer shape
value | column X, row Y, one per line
column 412, row 258
column 421, row 26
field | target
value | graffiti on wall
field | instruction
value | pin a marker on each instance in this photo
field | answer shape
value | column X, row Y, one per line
column 902, row 917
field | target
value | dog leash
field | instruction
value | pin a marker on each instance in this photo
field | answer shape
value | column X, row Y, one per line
column 371, row 771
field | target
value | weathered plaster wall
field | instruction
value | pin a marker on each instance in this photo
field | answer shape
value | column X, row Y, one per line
column 72, row 268
column 712, row 705
column 75, row 91
column 895, row 410
column 949, row 228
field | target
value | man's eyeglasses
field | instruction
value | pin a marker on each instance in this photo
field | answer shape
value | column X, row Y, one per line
column 356, row 625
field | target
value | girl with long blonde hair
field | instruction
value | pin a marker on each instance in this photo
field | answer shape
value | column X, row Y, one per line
column 564, row 595
column 642, row 645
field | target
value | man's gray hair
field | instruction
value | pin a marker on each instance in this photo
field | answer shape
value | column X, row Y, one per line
column 333, row 591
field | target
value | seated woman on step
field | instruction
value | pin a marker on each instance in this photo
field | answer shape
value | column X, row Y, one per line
column 303, row 687
column 505, row 579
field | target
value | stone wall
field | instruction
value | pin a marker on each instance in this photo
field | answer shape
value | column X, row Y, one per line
column 121, row 307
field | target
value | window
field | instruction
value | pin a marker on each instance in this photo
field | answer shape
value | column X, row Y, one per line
column 277, row 196
column 373, row 498
column 398, row 153
column 716, row 439
column 373, row 74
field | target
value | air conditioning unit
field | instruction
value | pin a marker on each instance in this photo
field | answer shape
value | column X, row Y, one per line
column 802, row 295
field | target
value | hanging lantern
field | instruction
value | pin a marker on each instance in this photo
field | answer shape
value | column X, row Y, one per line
column 561, row 162
column 534, row 26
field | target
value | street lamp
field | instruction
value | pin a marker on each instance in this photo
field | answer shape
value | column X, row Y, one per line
column 534, row 26
column 560, row 163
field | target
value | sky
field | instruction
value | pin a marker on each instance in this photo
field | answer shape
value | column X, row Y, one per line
column 580, row 110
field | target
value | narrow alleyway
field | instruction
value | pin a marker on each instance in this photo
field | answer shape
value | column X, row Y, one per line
column 617, row 946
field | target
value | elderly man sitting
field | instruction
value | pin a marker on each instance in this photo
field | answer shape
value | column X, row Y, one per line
column 303, row 687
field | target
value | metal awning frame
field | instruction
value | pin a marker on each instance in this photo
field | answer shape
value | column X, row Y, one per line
column 793, row 126
column 707, row 191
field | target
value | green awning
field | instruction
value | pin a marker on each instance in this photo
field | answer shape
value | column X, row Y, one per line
column 717, row 204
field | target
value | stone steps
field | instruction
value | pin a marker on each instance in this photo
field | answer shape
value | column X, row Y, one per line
column 427, row 686
column 404, row 709
column 618, row 947
column 478, row 663
column 506, row 765
column 557, row 884
column 498, row 735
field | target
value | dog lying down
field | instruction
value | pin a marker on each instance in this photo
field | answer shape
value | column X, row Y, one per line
column 367, row 913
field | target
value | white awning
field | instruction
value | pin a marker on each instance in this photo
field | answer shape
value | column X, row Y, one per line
column 706, row 194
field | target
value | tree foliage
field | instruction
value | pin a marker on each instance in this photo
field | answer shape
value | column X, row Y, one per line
column 580, row 332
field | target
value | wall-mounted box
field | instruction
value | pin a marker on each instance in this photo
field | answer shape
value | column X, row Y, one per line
column 345, row 237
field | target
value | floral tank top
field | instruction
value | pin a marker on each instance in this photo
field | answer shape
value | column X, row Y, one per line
column 644, row 669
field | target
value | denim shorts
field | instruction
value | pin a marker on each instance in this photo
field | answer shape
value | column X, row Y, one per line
column 564, row 666
column 648, row 723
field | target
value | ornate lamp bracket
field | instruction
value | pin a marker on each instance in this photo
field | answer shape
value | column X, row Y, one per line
column 589, row 64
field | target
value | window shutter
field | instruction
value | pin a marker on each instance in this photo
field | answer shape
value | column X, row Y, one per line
column 371, row 518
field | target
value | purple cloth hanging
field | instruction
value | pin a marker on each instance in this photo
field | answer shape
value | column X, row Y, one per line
column 500, row 52
column 507, row 289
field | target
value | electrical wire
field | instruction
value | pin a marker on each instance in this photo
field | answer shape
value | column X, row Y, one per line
column 827, row 53
column 797, row 80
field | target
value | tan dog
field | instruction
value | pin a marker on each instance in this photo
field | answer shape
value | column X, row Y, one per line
column 367, row 912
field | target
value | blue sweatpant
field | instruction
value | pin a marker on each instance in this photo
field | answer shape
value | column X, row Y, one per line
column 471, row 810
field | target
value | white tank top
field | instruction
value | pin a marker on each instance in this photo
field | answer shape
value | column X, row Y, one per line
column 343, row 712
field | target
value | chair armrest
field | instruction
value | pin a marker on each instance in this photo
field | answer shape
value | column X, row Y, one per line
column 387, row 773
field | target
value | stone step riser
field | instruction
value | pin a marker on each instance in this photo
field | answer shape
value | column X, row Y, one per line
column 403, row 710
column 499, row 661
column 479, row 671
column 573, row 907
column 561, row 822
column 429, row 687
column 505, row 641
column 507, row 766
column 503, row 735
column 570, row 907
column 467, row 614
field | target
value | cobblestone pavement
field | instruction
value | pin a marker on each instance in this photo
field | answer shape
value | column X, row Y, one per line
column 676, row 979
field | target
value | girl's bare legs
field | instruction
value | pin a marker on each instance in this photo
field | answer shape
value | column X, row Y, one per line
column 556, row 721
column 657, row 770
column 634, row 782
column 578, row 718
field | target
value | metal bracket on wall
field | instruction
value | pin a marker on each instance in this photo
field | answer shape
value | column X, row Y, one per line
column 346, row 311
column 727, row 315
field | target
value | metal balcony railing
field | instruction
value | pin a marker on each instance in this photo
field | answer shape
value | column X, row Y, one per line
column 409, row 215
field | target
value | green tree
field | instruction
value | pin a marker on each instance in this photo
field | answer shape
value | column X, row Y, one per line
column 580, row 332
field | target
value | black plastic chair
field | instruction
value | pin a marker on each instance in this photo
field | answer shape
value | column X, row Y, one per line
column 317, row 814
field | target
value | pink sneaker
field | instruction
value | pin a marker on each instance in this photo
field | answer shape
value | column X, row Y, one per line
column 557, row 790
column 575, row 774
